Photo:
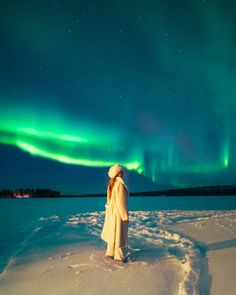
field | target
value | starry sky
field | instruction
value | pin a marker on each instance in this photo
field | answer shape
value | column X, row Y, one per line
column 147, row 84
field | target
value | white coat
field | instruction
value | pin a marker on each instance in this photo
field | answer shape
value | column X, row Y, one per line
column 115, row 228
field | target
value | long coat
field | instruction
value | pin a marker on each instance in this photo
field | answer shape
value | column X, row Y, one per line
column 115, row 228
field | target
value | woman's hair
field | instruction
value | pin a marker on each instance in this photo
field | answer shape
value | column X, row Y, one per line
column 111, row 184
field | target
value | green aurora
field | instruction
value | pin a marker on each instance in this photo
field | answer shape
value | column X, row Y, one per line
column 96, row 147
column 150, row 85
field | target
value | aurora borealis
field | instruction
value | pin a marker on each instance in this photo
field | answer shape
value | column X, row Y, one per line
column 148, row 84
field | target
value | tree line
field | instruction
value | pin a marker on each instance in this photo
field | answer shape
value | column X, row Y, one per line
column 28, row 192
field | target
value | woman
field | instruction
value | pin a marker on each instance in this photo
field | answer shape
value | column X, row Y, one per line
column 115, row 228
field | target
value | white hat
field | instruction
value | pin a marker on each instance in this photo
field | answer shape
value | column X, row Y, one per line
column 114, row 170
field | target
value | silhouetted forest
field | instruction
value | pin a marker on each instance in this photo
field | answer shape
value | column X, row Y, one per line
column 29, row 193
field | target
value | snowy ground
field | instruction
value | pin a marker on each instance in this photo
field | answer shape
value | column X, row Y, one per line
column 170, row 252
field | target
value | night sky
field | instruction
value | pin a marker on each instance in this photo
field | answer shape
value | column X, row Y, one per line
column 147, row 84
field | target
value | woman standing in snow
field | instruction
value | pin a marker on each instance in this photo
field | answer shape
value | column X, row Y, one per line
column 115, row 228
